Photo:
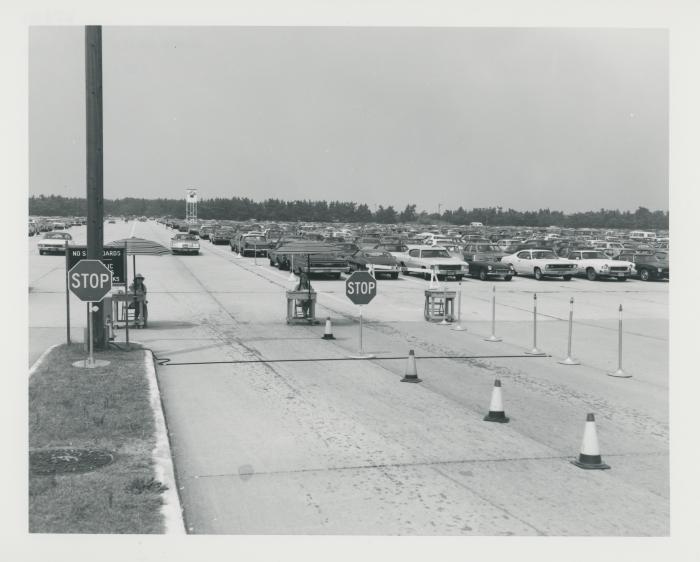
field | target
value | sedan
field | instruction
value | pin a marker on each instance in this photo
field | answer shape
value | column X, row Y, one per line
column 486, row 266
column 383, row 262
column 541, row 264
column 54, row 243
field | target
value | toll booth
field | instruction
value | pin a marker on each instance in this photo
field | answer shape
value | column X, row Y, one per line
column 301, row 307
column 439, row 304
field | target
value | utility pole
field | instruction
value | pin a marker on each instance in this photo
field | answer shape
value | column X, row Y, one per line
column 95, row 191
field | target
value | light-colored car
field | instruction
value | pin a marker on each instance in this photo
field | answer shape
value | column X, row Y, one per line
column 184, row 243
column 594, row 264
column 424, row 259
column 54, row 243
column 541, row 263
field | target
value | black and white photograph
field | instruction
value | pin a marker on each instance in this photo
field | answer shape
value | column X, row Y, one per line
column 344, row 280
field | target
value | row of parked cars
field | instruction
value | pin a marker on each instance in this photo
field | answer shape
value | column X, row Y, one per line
column 433, row 255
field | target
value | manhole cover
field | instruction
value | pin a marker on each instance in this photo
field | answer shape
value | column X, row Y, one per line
column 68, row 461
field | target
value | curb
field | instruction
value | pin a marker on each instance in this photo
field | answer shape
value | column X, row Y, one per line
column 42, row 358
column 162, row 459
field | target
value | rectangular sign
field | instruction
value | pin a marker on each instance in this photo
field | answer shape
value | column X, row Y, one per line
column 113, row 258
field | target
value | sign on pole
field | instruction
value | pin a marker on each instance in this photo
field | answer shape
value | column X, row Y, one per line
column 113, row 257
column 90, row 280
column 361, row 287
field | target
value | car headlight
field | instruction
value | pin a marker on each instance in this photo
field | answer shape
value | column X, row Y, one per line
column 659, row 269
column 490, row 267
column 510, row 265
column 605, row 266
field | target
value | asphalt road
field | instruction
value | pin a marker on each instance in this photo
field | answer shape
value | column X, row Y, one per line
column 342, row 447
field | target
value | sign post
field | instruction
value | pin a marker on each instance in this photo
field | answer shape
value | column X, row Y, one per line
column 90, row 281
column 361, row 288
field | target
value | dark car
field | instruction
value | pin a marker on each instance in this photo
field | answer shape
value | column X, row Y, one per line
column 251, row 244
column 648, row 266
column 483, row 249
column 383, row 262
column 486, row 266
column 222, row 235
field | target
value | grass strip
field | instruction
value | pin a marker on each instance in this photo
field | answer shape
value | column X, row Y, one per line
column 106, row 408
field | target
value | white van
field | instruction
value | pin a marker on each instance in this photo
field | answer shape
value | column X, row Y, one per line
column 642, row 235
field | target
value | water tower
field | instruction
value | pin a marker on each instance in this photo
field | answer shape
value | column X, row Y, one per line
column 191, row 206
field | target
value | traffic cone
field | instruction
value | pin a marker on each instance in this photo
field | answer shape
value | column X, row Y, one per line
column 590, row 453
column 496, row 413
column 328, row 332
column 411, row 372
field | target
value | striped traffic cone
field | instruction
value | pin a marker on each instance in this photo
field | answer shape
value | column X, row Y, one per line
column 496, row 413
column 411, row 372
column 590, row 453
column 328, row 332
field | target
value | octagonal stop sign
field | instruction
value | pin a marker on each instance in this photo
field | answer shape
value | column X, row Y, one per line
column 361, row 287
column 90, row 280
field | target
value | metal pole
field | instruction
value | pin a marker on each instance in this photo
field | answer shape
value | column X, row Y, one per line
column 91, row 360
column 444, row 306
column 534, row 350
column 126, row 291
column 94, row 161
column 255, row 253
column 569, row 359
column 361, row 350
column 620, row 372
column 458, row 327
column 493, row 337
column 67, row 300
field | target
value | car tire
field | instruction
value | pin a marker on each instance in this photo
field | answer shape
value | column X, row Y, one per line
column 567, row 277
column 508, row 277
column 622, row 278
column 538, row 274
column 591, row 274
column 459, row 277
column 395, row 275
column 41, row 252
column 482, row 275
column 644, row 274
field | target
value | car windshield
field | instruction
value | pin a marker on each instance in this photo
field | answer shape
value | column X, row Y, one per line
column 485, row 257
column 593, row 256
column 487, row 248
column 394, row 248
column 435, row 254
column 185, row 237
column 544, row 255
column 663, row 256
column 255, row 239
column 58, row 235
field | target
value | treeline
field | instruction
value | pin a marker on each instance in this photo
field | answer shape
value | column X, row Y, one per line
column 243, row 208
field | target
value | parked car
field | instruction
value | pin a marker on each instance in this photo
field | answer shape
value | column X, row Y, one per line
column 594, row 264
column 251, row 244
column 54, row 243
column 648, row 266
column 384, row 263
column 487, row 266
column 484, row 249
column 541, row 263
column 184, row 243
column 33, row 229
column 222, row 235
column 59, row 225
column 426, row 259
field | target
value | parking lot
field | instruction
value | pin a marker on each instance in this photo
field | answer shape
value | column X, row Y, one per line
column 335, row 446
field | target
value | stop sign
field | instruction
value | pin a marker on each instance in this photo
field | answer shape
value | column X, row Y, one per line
column 361, row 287
column 90, row 280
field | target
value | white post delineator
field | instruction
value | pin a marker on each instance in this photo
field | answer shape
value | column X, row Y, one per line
column 292, row 277
column 458, row 327
column 493, row 337
column 362, row 354
column 620, row 372
column 570, row 360
column 534, row 350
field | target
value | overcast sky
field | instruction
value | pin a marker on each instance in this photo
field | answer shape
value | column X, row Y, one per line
column 568, row 119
